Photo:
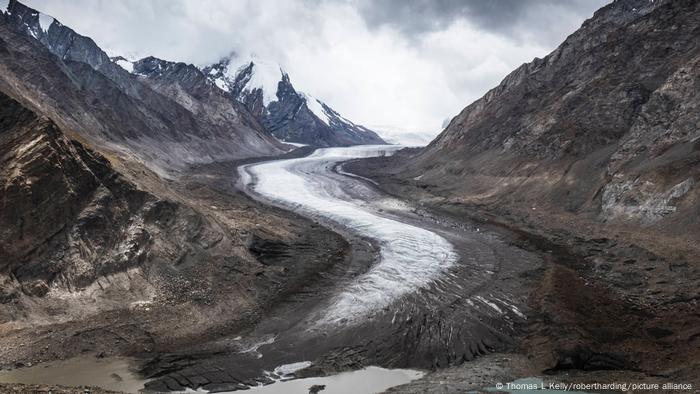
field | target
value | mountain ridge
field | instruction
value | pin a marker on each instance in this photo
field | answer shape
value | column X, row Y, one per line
column 87, row 93
column 119, row 212
column 291, row 115
column 587, row 104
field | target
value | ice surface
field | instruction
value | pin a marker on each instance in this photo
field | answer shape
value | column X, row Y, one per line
column 287, row 369
column 410, row 257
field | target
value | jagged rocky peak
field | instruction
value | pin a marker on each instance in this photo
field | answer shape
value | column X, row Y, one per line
column 247, row 76
column 292, row 115
column 174, row 72
column 250, row 81
column 63, row 41
column 151, row 66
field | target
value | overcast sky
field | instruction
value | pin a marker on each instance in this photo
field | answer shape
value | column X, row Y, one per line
column 399, row 64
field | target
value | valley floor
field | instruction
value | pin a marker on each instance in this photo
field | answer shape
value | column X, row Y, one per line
column 212, row 300
column 522, row 301
column 353, row 316
column 608, row 304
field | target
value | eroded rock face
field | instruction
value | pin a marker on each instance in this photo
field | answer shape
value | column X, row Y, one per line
column 118, row 232
column 99, row 254
column 642, row 201
column 606, row 125
column 68, row 219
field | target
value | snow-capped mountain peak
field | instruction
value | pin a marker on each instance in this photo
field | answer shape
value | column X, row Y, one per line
column 244, row 76
column 291, row 115
column 258, row 74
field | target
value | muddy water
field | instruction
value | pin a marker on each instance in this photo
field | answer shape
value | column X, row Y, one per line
column 117, row 374
column 368, row 380
column 108, row 373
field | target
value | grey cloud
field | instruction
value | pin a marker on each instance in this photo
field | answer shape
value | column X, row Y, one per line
column 339, row 50
column 507, row 17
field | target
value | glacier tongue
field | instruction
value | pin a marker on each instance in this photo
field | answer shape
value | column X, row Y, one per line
column 410, row 257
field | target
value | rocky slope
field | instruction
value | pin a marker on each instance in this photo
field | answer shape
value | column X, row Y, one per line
column 72, row 225
column 605, row 128
column 592, row 155
column 292, row 116
column 92, row 261
column 189, row 87
column 70, row 79
column 606, row 125
column 99, row 252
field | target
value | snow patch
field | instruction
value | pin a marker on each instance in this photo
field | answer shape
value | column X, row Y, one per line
column 4, row 4
column 131, row 56
column 317, row 108
column 45, row 22
column 126, row 65
column 489, row 303
column 517, row 312
column 346, row 120
column 297, row 144
column 221, row 84
column 265, row 76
